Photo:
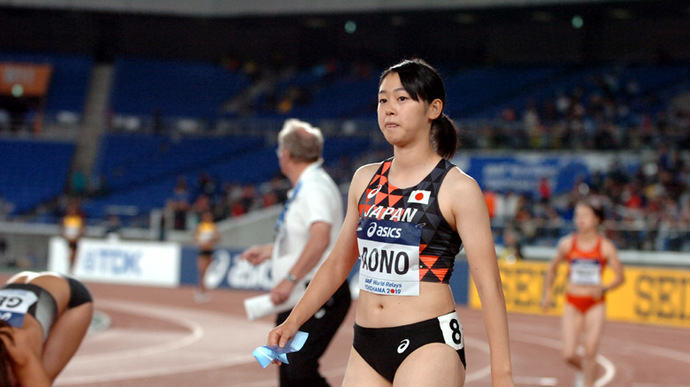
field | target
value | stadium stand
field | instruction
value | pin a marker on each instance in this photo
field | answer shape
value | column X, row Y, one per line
column 69, row 81
column 170, row 117
column 33, row 172
column 144, row 87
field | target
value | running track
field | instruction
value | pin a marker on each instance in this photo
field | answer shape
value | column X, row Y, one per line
column 157, row 337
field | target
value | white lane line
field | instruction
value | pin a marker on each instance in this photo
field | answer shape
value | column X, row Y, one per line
column 535, row 381
column 609, row 371
column 129, row 374
column 659, row 385
column 210, row 340
column 482, row 372
column 625, row 346
column 196, row 332
column 609, row 367
column 668, row 353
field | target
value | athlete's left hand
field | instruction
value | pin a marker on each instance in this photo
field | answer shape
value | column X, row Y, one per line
column 598, row 293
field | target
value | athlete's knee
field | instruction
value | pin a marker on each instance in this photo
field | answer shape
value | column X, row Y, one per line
column 572, row 359
column 590, row 354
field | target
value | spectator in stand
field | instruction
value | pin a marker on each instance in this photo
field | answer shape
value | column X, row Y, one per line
column 179, row 204
column 113, row 228
column 3, row 251
column 512, row 248
column 490, row 197
column 544, row 190
column 208, row 186
column 201, row 205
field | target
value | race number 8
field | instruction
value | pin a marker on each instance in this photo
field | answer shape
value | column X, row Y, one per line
column 452, row 330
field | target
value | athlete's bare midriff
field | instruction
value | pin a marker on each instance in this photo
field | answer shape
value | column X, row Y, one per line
column 379, row 311
column 583, row 290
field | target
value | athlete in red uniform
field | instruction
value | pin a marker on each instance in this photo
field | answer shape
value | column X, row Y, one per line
column 587, row 254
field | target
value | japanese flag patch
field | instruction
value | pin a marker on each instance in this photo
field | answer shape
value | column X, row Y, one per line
column 419, row 196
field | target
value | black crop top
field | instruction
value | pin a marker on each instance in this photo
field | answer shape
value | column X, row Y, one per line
column 439, row 243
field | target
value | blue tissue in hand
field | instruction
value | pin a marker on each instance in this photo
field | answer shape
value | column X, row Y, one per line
column 267, row 353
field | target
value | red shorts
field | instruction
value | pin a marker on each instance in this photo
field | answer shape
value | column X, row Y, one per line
column 582, row 303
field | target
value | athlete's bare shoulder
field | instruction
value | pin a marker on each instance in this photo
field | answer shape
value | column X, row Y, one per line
column 566, row 242
column 457, row 182
column 363, row 175
column 607, row 246
column 360, row 180
column 369, row 169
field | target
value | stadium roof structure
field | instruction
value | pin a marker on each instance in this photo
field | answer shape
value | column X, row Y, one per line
column 222, row 8
column 307, row 32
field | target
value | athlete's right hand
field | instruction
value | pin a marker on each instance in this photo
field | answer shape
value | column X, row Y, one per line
column 545, row 303
column 281, row 334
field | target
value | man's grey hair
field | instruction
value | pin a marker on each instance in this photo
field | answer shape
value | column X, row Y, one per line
column 303, row 141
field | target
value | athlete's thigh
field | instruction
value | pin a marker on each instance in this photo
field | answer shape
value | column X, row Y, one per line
column 434, row 364
column 203, row 262
column 359, row 373
column 572, row 323
column 66, row 337
column 594, row 326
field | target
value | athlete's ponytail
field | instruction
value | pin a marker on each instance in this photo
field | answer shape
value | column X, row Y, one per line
column 444, row 136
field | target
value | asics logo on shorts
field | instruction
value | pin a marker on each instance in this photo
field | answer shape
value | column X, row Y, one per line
column 403, row 345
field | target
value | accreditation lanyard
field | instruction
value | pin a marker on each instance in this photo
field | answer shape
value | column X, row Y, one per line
column 290, row 199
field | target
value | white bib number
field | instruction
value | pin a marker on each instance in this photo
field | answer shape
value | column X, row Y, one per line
column 389, row 257
column 452, row 330
column 14, row 304
column 585, row 272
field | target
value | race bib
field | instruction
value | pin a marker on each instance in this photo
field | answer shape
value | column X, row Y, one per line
column 452, row 330
column 389, row 257
column 14, row 305
column 205, row 236
column 71, row 232
column 585, row 272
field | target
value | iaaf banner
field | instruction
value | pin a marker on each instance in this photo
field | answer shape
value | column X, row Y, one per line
column 523, row 173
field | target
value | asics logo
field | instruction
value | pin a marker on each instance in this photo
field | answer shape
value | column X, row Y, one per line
column 403, row 345
column 384, row 231
column 320, row 313
column 373, row 192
